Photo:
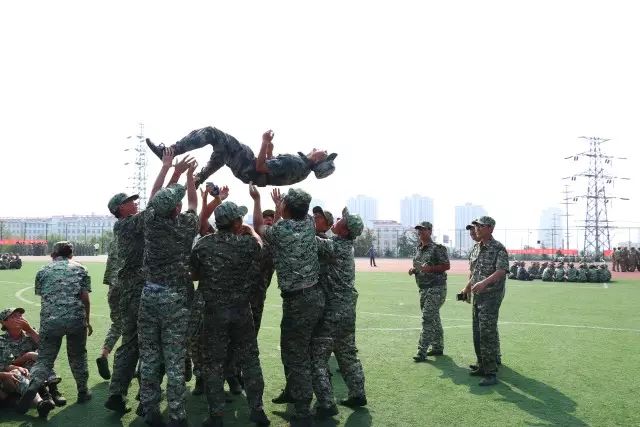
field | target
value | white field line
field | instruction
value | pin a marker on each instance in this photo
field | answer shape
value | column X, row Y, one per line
column 18, row 295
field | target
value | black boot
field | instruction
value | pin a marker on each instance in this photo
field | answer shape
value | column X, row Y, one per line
column 44, row 407
column 84, row 396
column 284, row 397
column 116, row 403
column 158, row 150
column 354, row 401
column 56, row 396
column 103, row 367
column 259, row 417
column 234, row 385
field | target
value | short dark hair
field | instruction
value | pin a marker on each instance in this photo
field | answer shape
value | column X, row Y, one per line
column 298, row 212
column 65, row 251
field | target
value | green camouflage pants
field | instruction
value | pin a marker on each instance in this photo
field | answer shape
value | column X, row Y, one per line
column 50, row 342
column 431, row 299
column 162, row 324
column 321, row 349
column 126, row 357
column 486, row 341
column 301, row 316
column 113, row 334
column 225, row 328
column 195, row 339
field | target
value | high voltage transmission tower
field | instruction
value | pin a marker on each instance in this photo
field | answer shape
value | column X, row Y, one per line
column 138, row 178
column 599, row 179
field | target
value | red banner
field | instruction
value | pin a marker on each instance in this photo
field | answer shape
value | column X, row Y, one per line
column 23, row 242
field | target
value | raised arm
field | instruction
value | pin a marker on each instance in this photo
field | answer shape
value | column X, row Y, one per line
column 277, row 200
column 207, row 209
column 266, row 152
column 192, row 195
column 167, row 159
column 180, row 167
column 257, row 210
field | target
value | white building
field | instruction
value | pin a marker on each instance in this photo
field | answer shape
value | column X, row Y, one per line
column 73, row 228
column 551, row 233
column 365, row 206
column 415, row 209
column 386, row 234
column 464, row 215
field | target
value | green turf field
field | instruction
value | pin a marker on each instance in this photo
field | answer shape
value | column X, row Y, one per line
column 571, row 356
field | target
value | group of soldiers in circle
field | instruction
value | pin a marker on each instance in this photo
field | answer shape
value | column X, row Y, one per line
column 168, row 327
column 558, row 272
column 10, row 262
column 625, row 259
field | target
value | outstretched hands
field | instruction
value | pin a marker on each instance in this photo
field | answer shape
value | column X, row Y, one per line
column 276, row 196
column 267, row 137
column 186, row 163
column 253, row 191
column 167, row 157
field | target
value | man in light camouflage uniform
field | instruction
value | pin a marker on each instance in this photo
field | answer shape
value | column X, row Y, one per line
column 487, row 283
column 64, row 286
column 295, row 253
column 430, row 264
column 284, row 169
column 166, row 299
column 221, row 262
column 343, row 297
column 129, row 233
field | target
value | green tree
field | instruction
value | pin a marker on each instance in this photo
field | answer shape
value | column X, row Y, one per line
column 407, row 244
column 363, row 243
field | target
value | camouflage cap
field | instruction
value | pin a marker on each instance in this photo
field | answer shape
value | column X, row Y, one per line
column 354, row 223
column 326, row 167
column 4, row 314
column 424, row 224
column 119, row 199
column 327, row 215
column 484, row 220
column 297, row 198
column 227, row 212
column 166, row 199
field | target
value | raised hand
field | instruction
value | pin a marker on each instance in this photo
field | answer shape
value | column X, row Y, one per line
column 224, row 193
column 193, row 164
column 267, row 136
column 276, row 196
column 253, row 192
column 167, row 157
column 183, row 165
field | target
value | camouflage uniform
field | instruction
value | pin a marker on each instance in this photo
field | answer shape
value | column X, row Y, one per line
column 488, row 257
column 523, row 274
column 513, row 271
column 165, row 301
column 222, row 261
column 129, row 233
column 284, row 169
column 548, row 273
column 433, row 294
column 558, row 274
column 605, row 274
column 582, row 274
column 113, row 296
column 296, row 261
column 62, row 313
column 195, row 339
column 261, row 275
column 572, row 274
column 11, row 349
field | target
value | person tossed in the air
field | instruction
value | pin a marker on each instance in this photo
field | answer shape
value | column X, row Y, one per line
column 266, row 169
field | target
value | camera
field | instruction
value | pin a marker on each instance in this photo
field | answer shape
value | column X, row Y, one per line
column 213, row 189
column 461, row 296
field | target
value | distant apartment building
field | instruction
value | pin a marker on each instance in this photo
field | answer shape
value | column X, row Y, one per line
column 73, row 228
column 386, row 234
column 365, row 206
column 415, row 209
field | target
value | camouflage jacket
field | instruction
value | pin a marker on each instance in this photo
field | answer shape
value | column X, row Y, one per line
column 489, row 258
column 287, row 169
column 430, row 254
column 572, row 274
column 60, row 284
column 582, row 275
column 129, row 232
column 295, row 253
column 547, row 273
column 223, row 262
column 336, row 254
column 113, row 265
column 11, row 349
column 167, row 246
column 558, row 274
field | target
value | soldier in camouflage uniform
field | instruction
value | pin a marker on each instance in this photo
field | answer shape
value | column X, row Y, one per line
column 430, row 264
column 113, row 295
column 262, row 280
column 166, row 298
column 295, row 253
column 605, row 273
column 572, row 273
column 341, row 316
column 221, row 262
column 614, row 259
column 284, row 169
column 558, row 274
column 19, row 347
column 64, row 286
column 487, row 283
column 582, row 274
column 513, row 271
column 129, row 233
column 522, row 272
column 549, row 273
column 633, row 260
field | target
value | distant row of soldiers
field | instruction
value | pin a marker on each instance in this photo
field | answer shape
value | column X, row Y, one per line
column 550, row 272
column 625, row 259
column 10, row 262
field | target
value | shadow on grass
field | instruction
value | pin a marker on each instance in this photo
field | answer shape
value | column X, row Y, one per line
column 532, row 396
